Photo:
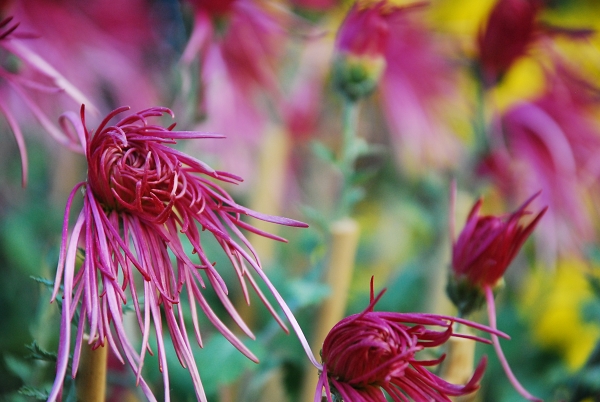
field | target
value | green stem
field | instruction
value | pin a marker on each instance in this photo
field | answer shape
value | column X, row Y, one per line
column 347, row 157
column 479, row 124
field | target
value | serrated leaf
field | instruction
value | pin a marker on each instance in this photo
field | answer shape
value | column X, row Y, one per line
column 37, row 353
column 46, row 282
column 39, row 394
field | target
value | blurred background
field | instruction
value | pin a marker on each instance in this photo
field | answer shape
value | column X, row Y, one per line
column 503, row 108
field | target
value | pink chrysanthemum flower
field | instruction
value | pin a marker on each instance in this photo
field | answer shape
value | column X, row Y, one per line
column 387, row 48
column 480, row 256
column 552, row 143
column 488, row 244
column 103, row 46
column 371, row 352
column 35, row 75
column 238, row 45
column 141, row 198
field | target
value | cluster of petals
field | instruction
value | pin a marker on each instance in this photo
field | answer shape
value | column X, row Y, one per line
column 480, row 256
column 487, row 244
column 371, row 352
column 140, row 200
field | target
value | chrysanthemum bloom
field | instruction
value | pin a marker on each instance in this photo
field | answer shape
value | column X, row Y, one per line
column 35, row 75
column 388, row 48
column 371, row 352
column 141, row 198
column 238, row 45
column 480, row 256
column 361, row 44
column 509, row 32
column 552, row 143
column 103, row 47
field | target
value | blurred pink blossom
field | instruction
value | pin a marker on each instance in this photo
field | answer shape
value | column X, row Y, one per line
column 416, row 78
column 552, row 144
column 103, row 47
column 26, row 76
column 510, row 30
column 238, row 44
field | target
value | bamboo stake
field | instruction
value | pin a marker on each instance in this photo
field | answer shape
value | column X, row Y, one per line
column 267, row 198
column 459, row 364
column 344, row 242
column 270, row 187
column 91, row 380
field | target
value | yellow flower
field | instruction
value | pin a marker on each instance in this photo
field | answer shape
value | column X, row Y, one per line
column 553, row 303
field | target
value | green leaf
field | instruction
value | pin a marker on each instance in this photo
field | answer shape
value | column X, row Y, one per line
column 46, row 282
column 17, row 367
column 37, row 353
column 307, row 293
column 41, row 395
column 322, row 152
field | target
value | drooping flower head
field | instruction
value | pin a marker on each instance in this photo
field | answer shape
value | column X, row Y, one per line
column 371, row 352
column 509, row 32
column 141, row 199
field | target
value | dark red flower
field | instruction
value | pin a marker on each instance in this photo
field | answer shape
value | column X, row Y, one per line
column 488, row 244
column 371, row 352
column 213, row 7
column 509, row 32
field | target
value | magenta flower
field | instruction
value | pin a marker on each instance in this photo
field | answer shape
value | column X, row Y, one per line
column 509, row 32
column 371, row 352
column 140, row 200
column 102, row 46
column 238, row 45
column 34, row 76
column 488, row 244
column 403, row 61
column 551, row 143
column 480, row 256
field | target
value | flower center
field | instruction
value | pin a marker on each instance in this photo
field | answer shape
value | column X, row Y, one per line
column 132, row 176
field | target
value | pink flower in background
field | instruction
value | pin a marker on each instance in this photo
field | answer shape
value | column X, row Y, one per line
column 483, row 251
column 510, row 30
column 109, row 49
column 552, row 143
column 33, row 78
column 488, row 244
column 417, row 91
column 405, row 63
column 238, row 44
column 371, row 352
column 141, row 198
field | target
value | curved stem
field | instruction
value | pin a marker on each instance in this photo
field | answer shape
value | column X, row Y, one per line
column 489, row 295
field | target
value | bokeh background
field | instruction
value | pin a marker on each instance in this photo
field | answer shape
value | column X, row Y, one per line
column 263, row 77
